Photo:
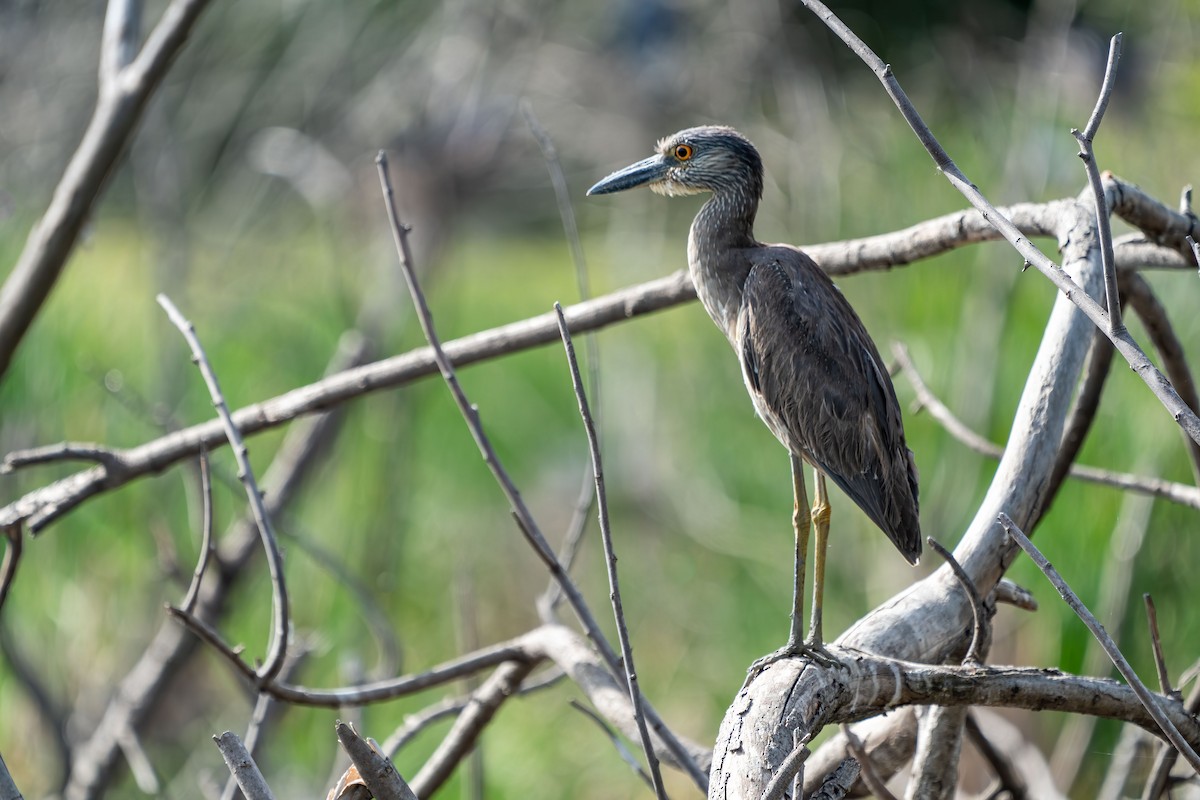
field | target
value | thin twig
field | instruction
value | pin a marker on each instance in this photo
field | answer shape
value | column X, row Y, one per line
column 521, row 513
column 1139, row 362
column 243, row 768
column 869, row 777
column 978, row 634
column 1144, row 695
column 624, row 752
column 1137, row 292
column 1085, row 138
column 206, row 534
column 794, row 762
column 12, row 557
column 610, row 556
column 1160, row 773
column 1010, row 779
column 1195, row 248
column 277, row 651
column 1160, row 663
column 928, row 401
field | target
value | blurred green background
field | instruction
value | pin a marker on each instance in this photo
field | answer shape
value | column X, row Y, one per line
column 249, row 196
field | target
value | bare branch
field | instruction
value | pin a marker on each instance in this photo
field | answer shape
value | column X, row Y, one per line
column 112, row 125
column 376, row 771
column 1153, row 314
column 1010, row 780
column 789, row 769
column 610, row 557
column 118, row 45
column 1160, row 664
column 1156, row 782
column 1116, row 326
column 1147, row 698
column 874, row 783
column 136, row 696
column 624, row 752
column 486, row 701
column 242, row 767
column 939, row 743
column 206, row 534
column 928, row 401
column 277, row 651
column 12, row 557
column 979, row 633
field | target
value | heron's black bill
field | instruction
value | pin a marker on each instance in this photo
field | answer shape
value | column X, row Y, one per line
column 648, row 170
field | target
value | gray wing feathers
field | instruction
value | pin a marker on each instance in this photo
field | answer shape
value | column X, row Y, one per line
column 818, row 382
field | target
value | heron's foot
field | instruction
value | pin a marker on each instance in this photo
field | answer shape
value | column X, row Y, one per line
column 811, row 650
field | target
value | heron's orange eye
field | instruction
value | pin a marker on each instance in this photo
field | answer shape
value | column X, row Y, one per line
column 683, row 152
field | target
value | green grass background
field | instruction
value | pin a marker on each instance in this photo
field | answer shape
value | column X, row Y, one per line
column 699, row 490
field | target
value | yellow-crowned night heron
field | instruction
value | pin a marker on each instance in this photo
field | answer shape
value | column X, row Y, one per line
column 814, row 374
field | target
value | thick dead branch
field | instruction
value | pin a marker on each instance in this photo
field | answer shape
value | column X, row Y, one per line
column 243, row 768
column 373, row 767
column 124, row 92
column 868, row 685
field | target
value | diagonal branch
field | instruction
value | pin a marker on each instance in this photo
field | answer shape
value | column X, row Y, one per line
column 1124, row 342
column 123, row 96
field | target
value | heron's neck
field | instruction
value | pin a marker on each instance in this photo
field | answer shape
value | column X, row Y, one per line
column 721, row 235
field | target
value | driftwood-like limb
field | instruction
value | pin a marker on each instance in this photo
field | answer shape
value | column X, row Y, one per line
column 610, row 557
column 124, row 93
column 837, row 783
column 524, row 518
column 1085, row 138
column 242, row 767
column 1145, row 696
column 277, row 650
column 376, row 771
column 1083, row 414
column 935, row 764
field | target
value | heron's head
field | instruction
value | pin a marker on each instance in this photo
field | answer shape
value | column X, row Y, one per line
column 712, row 158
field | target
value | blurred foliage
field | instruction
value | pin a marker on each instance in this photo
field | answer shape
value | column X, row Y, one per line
column 250, row 198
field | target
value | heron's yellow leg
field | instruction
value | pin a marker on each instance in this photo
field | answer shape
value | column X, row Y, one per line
column 821, row 513
column 802, row 525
